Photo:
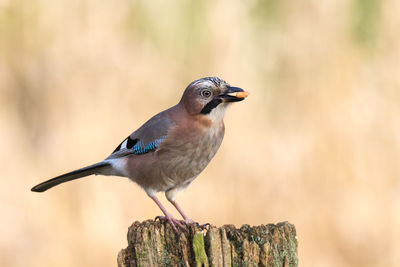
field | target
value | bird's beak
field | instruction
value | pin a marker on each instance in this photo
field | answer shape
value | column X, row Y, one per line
column 234, row 94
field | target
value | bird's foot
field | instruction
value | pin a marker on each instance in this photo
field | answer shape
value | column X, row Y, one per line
column 173, row 222
column 183, row 224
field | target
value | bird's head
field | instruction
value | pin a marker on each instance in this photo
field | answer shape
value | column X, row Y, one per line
column 210, row 97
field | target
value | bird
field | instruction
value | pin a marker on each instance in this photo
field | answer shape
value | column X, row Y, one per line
column 172, row 148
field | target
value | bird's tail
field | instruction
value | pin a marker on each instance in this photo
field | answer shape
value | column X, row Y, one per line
column 98, row 168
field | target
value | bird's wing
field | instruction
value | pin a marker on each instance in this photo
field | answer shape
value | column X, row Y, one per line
column 147, row 138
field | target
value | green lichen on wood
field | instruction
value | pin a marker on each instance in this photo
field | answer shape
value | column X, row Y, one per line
column 200, row 255
column 156, row 244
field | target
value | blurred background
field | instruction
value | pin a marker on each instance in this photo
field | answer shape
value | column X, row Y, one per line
column 317, row 143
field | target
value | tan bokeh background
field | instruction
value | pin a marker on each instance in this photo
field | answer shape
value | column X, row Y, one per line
column 317, row 143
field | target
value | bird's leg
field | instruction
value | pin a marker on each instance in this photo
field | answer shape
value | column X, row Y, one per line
column 172, row 221
column 188, row 221
column 171, row 195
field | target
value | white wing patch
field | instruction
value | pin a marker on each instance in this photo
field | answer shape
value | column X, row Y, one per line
column 123, row 144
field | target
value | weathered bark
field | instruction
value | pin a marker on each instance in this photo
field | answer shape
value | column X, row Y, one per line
column 153, row 243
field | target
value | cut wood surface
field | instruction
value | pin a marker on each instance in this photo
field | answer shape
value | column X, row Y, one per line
column 154, row 243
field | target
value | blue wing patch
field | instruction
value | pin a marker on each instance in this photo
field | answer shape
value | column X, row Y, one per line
column 141, row 148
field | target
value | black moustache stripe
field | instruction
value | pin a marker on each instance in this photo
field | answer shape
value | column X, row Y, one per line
column 211, row 105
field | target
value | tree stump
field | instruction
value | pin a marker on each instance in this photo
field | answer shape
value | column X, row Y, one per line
column 153, row 243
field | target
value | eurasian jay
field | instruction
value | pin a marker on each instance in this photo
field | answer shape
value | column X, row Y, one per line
column 172, row 148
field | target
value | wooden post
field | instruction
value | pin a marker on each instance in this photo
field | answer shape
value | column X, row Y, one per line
column 152, row 243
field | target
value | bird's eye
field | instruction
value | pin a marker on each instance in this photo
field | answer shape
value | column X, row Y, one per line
column 206, row 93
